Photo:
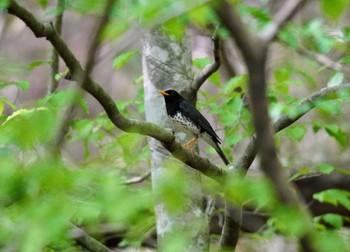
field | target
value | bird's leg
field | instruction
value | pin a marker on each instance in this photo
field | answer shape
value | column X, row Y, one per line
column 189, row 144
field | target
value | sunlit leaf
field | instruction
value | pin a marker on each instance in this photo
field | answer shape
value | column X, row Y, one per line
column 23, row 84
column 123, row 58
column 325, row 168
column 336, row 79
column 337, row 133
column 334, row 220
column 335, row 8
column 201, row 62
column 43, row 3
column 335, row 197
column 35, row 64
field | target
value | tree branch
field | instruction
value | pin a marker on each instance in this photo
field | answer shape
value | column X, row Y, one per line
column 88, row 242
column 248, row 43
column 285, row 13
column 255, row 60
column 129, row 125
column 209, row 69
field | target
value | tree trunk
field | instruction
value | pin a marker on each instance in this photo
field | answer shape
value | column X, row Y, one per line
column 167, row 64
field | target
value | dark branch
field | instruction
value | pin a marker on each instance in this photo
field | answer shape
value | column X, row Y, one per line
column 248, row 43
column 255, row 52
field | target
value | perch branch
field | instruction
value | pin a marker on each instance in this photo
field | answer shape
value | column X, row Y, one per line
column 129, row 125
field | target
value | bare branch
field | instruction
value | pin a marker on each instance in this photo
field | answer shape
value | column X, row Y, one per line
column 129, row 125
column 138, row 179
column 209, row 69
column 285, row 13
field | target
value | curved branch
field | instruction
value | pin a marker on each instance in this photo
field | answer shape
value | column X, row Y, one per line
column 129, row 125
column 209, row 69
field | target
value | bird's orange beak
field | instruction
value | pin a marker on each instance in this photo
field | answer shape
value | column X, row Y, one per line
column 163, row 92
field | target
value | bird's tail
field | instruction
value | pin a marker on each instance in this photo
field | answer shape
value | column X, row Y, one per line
column 221, row 153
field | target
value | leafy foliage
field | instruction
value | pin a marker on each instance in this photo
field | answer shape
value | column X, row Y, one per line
column 43, row 194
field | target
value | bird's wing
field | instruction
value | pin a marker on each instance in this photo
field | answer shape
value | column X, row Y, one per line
column 191, row 112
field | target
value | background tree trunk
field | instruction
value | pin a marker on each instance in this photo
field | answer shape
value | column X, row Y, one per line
column 167, row 64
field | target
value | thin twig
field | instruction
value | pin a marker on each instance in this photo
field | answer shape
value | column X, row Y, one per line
column 88, row 242
column 209, row 69
column 138, row 179
column 284, row 14
column 54, row 58
column 93, row 48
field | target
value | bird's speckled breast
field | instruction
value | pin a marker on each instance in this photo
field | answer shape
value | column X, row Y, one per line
column 184, row 124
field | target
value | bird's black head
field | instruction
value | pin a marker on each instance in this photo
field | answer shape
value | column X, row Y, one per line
column 172, row 101
column 171, row 95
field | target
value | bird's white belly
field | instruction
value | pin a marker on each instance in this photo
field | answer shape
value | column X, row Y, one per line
column 181, row 124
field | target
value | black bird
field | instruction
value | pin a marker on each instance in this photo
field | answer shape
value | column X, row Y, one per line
column 185, row 117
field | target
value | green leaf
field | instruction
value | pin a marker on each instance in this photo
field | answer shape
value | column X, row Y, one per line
column 201, row 62
column 336, row 79
column 35, row 64
column 23, row 84
column 43, row 3
column 327, row 240
column 316, row 126
column 215, row 79
column 123, row 58
column 345, row 59
column 287, row 36
column 239, row 81
column 325, row 168
column 24, row 128
column 336, row 132
column 335, row 220
column 175, row 28
column 296, row 132
column 8, row 102
column 283, row 216
column 335, row 197
column 282, row 74
column 333, row 9
column 4, row 4
column 1, row 107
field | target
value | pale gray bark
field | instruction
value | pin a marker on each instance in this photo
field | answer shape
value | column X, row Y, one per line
column 167, row 64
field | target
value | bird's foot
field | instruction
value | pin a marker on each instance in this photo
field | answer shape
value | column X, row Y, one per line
column 189, row 144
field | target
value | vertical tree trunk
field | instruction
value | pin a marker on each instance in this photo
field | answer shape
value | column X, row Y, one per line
column 167, row 64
